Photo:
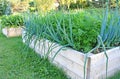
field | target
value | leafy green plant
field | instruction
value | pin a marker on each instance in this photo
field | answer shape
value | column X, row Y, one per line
column 12, row 21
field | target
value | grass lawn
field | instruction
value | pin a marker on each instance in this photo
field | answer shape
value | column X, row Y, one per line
column 18, row 64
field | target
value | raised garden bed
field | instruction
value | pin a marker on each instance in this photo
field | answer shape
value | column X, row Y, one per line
column 12, row 25
column 60, row 37
column 72, row 61
column 12, row 32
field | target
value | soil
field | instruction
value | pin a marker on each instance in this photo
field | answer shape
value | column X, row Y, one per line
column 99, row 50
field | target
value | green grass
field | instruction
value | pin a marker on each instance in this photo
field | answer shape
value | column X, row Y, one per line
column 116, row 76
column 16, row 63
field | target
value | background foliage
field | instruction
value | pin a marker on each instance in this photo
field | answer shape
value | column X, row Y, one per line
column 4, row 7
column 44, row 5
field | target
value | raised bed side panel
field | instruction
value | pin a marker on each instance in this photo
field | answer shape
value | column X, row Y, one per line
column 4, row 31
column 98, row 64
column 12, row 32
column 71, row 61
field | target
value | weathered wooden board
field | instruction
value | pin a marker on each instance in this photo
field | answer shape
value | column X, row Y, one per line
column 12, row 32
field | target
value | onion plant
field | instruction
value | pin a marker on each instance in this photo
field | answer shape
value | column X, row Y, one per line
column 110, row 29
column 43, row 28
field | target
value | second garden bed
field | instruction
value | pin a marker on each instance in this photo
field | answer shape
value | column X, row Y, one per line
column 12, row 25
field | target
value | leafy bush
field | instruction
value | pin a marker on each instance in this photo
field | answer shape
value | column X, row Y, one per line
column 77, row 30
column 12, row 21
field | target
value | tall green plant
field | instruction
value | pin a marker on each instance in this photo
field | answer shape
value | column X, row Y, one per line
column 42, row 28
column 110, row 27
